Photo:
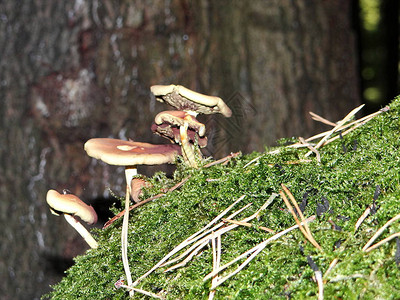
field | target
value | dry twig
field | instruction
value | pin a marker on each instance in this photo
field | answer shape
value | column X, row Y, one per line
column 337, row 127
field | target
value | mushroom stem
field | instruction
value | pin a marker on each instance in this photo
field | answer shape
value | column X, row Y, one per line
column 187, row 150
column 130, row 172
column 81, row 230
column 124, row 241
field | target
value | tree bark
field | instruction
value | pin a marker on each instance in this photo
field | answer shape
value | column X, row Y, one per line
column 71, row 71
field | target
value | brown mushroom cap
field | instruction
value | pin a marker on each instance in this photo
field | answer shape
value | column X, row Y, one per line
column 173, row 134
column 129, row 153
column 70, row 204
column 187, row 100
column 179, row 118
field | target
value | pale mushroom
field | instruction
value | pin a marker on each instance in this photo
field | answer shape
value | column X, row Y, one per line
column 130, row 154
column 183, row 128
column 70, row 206
column 190, row 101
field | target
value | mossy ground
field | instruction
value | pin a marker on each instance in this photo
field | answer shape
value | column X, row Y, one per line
column 351, row 171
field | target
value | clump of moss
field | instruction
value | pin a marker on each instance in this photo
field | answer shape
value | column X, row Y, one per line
column 356, row 171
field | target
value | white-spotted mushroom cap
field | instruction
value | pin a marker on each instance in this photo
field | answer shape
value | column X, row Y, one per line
column 72, row 205
column 129, row 153
column 187, row 100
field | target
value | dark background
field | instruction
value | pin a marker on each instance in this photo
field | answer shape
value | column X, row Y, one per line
column 73, row 70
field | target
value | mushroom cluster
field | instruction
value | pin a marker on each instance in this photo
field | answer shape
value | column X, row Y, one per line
column 180, row 126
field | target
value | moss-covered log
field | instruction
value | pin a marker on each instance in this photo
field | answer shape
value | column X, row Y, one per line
column 356, row 171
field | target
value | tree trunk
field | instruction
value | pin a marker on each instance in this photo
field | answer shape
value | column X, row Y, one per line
column 71, row 71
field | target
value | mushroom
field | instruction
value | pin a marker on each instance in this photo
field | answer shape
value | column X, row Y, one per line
column 190, row 101
column 137, row 184
column 130, row 154
column 70, row 206
column 182, row 128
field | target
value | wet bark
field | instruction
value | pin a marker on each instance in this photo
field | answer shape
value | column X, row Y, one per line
column 71, row 71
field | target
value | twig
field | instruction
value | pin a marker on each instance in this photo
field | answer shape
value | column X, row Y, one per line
column 336, row 128
column 309, row 146
column 124, row 242
column 326, row 134
column 222, row 160
column 379, row 232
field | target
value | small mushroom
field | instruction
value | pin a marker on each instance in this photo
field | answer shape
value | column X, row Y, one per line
column 173, row 135
column 130, row 154
column 179, row 118
column 190, row 101
column 182, row 128
column 70, row 206
column 137, row 184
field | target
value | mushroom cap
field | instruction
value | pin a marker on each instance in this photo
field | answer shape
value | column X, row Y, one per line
column 179, row 118
column 70, row 204
column 184, row 99
column 173, row 134
column 130, row 153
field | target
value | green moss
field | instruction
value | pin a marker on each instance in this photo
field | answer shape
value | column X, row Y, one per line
column 347, row 178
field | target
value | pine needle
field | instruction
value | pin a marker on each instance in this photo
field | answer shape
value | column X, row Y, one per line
column 379, row 232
